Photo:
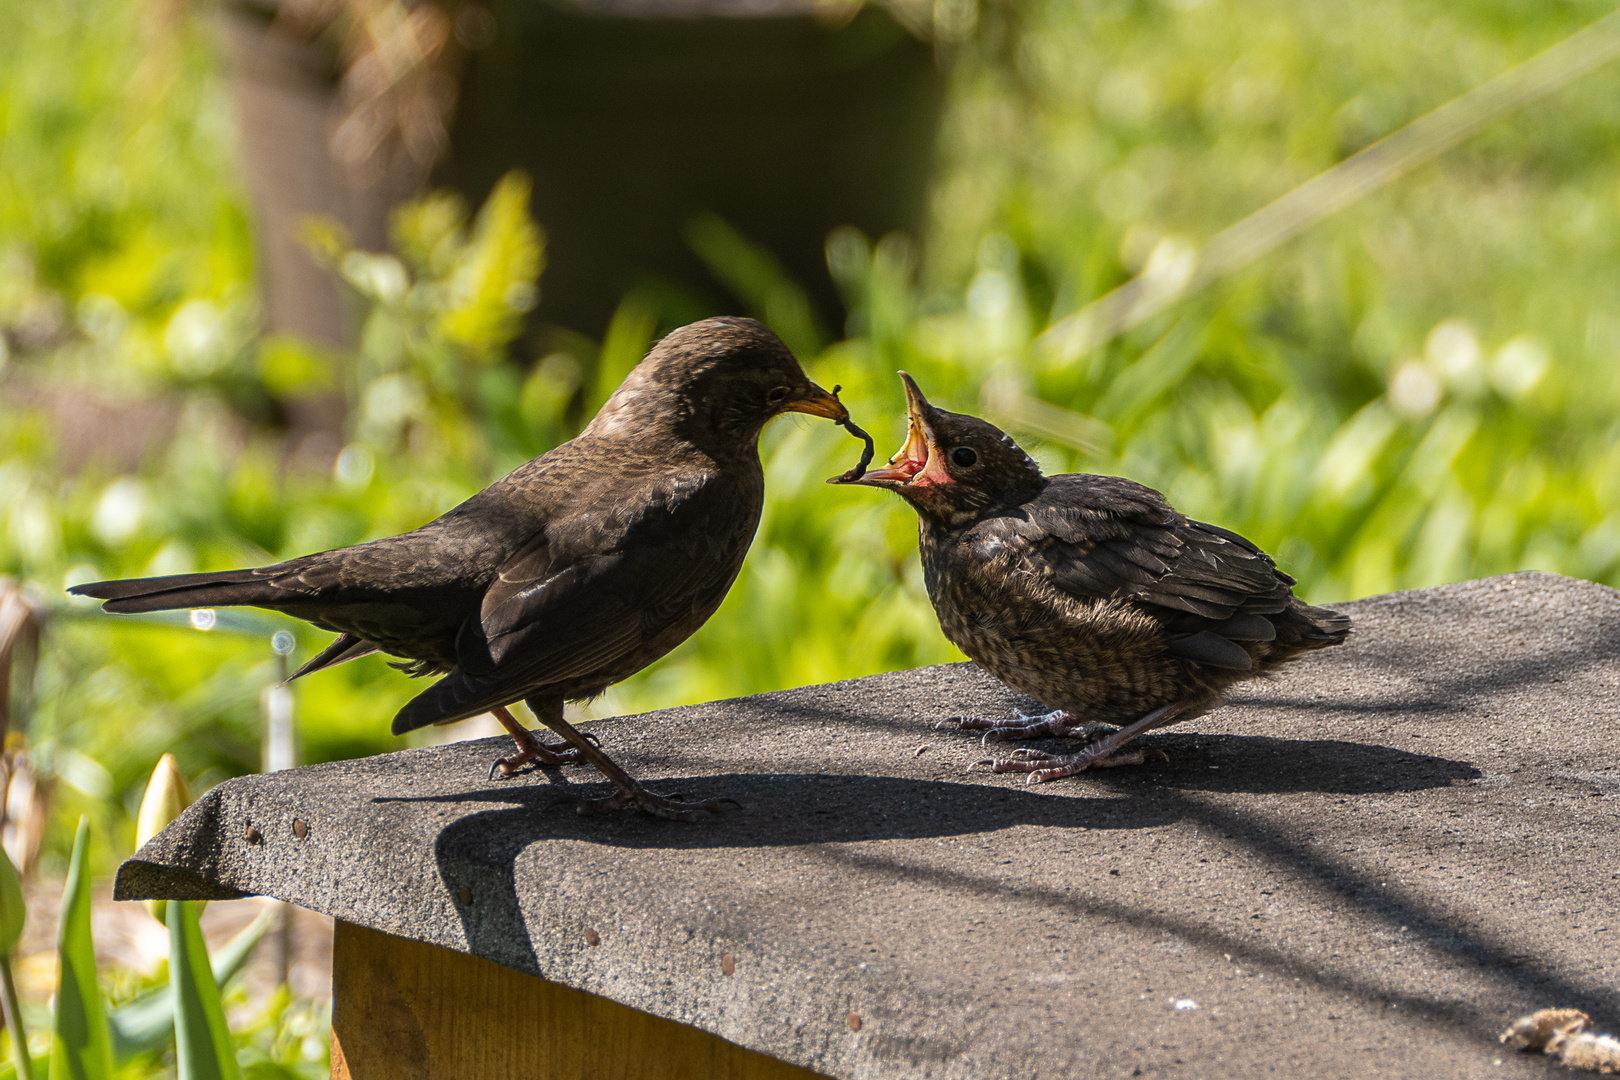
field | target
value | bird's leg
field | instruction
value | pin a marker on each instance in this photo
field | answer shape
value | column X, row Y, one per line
column 529, row 747
column 551, row 715
column 1100, row 755
column 1064, row 725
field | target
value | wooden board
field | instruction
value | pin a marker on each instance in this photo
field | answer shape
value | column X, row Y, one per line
column 403, row 1010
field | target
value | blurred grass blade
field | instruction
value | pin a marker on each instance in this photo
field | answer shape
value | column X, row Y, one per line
column 13, row 914
column 1154, row 372
column 756, row 278
column 146, row 1022
column 22, row 1063
column 39, row 1066
column 1159, row 286
column 203, row 1042
column 625, row 343
column 82, row 1046
column 1006, row 402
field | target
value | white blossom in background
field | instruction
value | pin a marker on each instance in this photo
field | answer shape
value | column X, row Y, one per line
column 1414, row 389
column 1518, row 366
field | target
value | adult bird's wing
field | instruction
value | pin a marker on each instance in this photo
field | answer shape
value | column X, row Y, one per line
column 561, row 617
column 1097, row 537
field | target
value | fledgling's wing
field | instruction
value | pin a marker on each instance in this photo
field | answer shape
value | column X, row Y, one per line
column 1097, row 537
column 558, row 615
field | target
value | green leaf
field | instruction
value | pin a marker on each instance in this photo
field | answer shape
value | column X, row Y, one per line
column 82, row 1047
column 493, row 286
column 13, row 911
column 146, row 1022
column 203, row 1042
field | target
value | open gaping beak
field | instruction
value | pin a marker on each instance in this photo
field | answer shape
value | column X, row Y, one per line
column 912, row 459
column 817, row 402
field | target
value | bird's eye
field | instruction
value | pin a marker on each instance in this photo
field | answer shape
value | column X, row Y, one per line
column 777, row 396
column 964, row 456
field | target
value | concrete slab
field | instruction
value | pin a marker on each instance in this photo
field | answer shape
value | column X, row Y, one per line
column 1366, row 866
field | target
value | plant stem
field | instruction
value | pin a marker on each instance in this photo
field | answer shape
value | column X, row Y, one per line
column 14, row 1024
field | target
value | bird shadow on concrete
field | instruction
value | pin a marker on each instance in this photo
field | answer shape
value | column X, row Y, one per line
column 1266, row 765
column 480, row 850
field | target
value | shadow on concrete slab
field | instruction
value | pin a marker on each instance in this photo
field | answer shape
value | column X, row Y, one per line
column 783, row 810
column 1265, row 765
column 812, row 810
column 1531, row 979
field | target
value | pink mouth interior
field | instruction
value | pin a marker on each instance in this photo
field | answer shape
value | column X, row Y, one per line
column 912, row 465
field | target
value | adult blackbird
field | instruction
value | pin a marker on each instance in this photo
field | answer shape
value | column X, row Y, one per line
column 1088, row 593
column 571, row 573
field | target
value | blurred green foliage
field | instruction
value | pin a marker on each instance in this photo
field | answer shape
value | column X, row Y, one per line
column 1422, row 389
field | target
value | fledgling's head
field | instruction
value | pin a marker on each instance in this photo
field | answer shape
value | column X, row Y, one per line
column 954, row 468
column 715, row 382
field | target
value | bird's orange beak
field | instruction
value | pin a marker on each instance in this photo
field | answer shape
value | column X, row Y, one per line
column 817, row 402
column 912, row 459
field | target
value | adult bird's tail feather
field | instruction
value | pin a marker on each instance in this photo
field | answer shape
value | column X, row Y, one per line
column 344, row 647
column 227, row 588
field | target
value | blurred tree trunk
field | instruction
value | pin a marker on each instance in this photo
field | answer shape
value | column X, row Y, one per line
column 630, row 118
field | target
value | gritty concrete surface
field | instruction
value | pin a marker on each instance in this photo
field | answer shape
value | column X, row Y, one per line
column 1365, row 866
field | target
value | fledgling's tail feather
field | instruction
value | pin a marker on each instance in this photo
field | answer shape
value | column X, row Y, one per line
column 1326, row 626
column 227, row 588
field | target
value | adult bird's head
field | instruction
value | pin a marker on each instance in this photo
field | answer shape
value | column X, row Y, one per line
column 953, row 468
column 714, row 383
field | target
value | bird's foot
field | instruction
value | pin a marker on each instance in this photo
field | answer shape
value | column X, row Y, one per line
column 546, row 755
column 1058, row 723
column 1100, row 755
column 1042, row 766
column 670, row 809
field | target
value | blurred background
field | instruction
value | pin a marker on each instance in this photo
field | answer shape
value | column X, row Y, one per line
column 279, row 277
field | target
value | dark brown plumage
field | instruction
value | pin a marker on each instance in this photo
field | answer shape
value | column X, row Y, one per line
column 573, row 572
column 1091, row 594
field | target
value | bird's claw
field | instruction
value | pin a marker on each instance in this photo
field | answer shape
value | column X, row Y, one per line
column 670, row 808
column 545, row 755
column 1056, row 723
column 1041, row 766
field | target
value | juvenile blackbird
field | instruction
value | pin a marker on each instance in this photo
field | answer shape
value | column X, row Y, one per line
column 1088, row 593
column 571, row 573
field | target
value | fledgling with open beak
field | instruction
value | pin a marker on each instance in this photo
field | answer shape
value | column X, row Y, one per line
column 569, row 574
column 1090, row 594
